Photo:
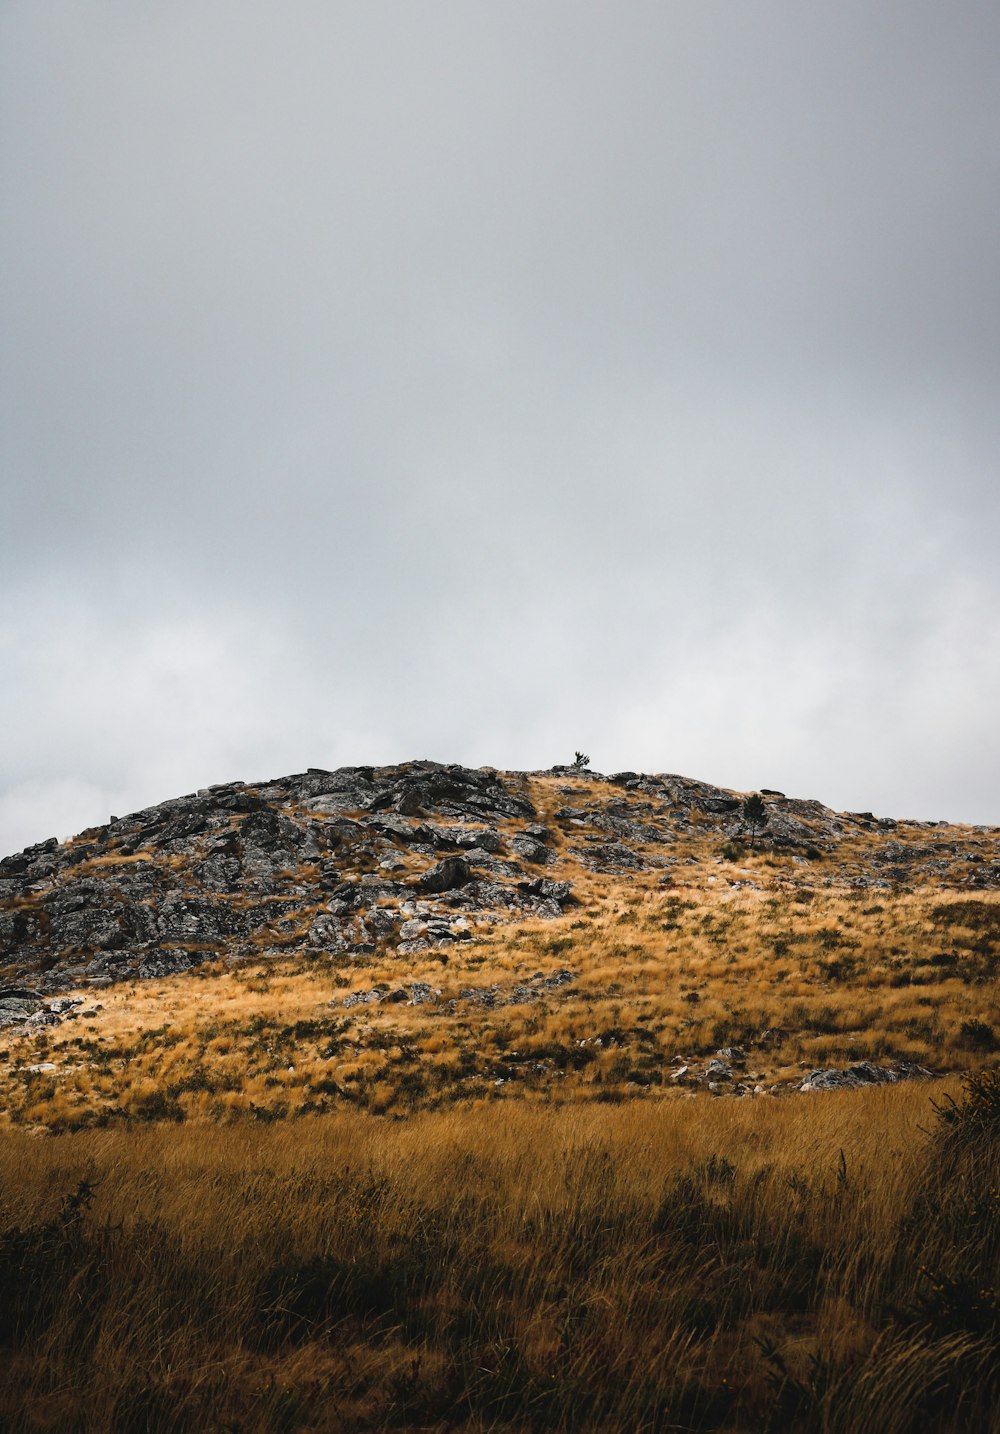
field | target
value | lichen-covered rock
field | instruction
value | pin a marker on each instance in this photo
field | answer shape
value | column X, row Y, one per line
column 446, row 875
column 864, row 1073
column 531, row 849
column 16, row 1005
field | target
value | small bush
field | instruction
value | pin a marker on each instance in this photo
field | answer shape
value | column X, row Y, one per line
column 978, row 1112
column 977, row 1036
column 957, row 1304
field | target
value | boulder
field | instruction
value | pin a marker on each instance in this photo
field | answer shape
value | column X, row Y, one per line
column 531, row 849
column 16, row 1005
column 478, row 838
column 446, row 875
column 864, row 1073
column 155, row 964
column 560, row 891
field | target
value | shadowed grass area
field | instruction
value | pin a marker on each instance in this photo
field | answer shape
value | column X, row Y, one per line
column 827, row 1263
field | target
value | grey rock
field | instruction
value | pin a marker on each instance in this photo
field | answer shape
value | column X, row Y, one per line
column 531, row 849
column 559, row 891
column 621, row 824
column 421, row 993
column 363, row 998
column 447, row 875
column 78, row 930
column 16, row 928
column 156, row 964
column 42, row 1018
column 523, row 995
column 539, row 985
column 180, row 919
column 16, row 1006
column 558, row 979
column 35, row 863
column 486, row 996
column 395, row 828
column 864, row 1073
column 479, row 839
column 614, row 857
column 380, row 922
column 494, row 866
column 491, row 896
column 218, row 873
column 231, row 862
column 724, row 803
column 331, row 932
column 110, row 963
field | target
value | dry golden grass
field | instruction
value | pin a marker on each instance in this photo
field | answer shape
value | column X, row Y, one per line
column 800, row 976
column 266, row 1211
column 731, row 1266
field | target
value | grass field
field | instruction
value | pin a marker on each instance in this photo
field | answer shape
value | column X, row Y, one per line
column 821, row 1263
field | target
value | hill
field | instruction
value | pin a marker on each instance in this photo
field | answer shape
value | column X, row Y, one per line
column 434, row 1099
column 400, row 937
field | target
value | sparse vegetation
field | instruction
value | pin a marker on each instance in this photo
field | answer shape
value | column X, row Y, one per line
column 674, row 972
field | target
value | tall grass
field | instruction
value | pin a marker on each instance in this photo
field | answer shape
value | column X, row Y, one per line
column 825, row 1263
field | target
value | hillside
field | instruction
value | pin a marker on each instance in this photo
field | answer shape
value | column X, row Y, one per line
column 420, row 1098
column 401, row 937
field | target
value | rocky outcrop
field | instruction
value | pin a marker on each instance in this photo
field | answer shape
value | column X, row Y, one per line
column 864, row 1073
column 407, row 858
column 337, row 862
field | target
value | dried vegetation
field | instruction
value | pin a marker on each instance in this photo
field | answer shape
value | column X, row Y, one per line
column 274, row 1205
column 825, row 1264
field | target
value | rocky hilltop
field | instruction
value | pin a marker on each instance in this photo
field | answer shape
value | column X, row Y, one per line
column 394, row 938
column 402, row 859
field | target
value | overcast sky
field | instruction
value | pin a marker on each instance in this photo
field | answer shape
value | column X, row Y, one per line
column 484, row 381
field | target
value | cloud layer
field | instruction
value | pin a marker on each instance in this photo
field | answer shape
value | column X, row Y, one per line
column 483, row 382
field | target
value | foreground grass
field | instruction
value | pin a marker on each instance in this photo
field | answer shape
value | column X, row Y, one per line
column 825, row 1263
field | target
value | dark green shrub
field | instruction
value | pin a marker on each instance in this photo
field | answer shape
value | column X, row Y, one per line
column 977, row 1036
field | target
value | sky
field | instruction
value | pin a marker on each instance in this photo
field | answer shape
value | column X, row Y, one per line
column 485, row 382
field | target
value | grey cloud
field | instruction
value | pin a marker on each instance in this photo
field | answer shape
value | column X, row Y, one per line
column 478, row 381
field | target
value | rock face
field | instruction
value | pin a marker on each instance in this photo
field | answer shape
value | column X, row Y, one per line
column 406, row 858
column 339, row 862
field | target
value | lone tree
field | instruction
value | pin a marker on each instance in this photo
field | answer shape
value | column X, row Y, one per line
column 581, row 760
column 754, row 814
